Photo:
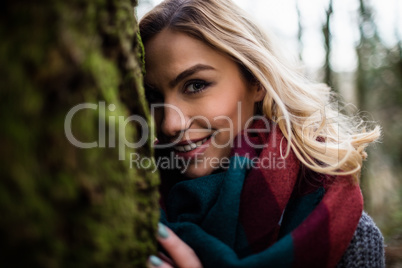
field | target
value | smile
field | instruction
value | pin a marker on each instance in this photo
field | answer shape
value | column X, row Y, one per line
column 191, row 146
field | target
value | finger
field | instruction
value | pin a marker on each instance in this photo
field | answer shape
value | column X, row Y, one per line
column 154, row 262
column 181, row 253
column 165, row 258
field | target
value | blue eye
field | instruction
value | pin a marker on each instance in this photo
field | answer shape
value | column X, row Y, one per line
column 195, row 87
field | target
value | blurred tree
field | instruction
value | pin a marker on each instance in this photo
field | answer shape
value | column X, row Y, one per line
column 60, row 205
column 326, row 30
column 379, row 81
column 299, row 31
column 379, row 90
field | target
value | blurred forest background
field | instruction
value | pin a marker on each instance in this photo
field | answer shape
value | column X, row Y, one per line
column 355, row 46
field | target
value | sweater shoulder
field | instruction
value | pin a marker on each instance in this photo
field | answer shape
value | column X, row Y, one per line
column 367, row 246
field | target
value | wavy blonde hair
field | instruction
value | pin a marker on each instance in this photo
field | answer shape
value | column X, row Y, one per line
column 323, row 139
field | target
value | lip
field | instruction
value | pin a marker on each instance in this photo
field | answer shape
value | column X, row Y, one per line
column 185, row 142
column 197, row 151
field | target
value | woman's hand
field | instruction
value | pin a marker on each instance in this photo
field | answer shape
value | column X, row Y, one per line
column 182, row 255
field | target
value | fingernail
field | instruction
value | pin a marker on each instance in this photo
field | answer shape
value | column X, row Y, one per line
column 162, row 231
column 155, row 261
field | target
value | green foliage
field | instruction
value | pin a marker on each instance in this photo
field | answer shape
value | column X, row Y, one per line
column 63, row 206
column 380, row 92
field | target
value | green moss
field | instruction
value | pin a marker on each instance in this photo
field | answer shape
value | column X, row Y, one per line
column 106, row 75
column 62, row 205
column 141, row 54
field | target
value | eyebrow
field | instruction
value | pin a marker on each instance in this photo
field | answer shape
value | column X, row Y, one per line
column 190, row 71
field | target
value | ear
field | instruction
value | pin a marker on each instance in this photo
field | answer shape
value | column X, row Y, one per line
column 259, row 93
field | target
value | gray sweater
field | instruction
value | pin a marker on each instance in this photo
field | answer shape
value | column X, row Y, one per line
column 367, row 246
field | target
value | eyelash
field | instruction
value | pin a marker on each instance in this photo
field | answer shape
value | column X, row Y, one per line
column 193, row 82
column 154, row 96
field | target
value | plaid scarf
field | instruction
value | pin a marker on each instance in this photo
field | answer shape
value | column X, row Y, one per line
column 263, row 211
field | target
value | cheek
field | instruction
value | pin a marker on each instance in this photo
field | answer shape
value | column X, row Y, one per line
column 235, row 103
column 223, row 111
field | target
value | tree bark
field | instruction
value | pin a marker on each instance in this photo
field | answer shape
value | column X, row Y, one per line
column 326, row 30
column 62, row 205
column 299, row 31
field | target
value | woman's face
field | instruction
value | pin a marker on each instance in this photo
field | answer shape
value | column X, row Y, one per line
column 201, row 100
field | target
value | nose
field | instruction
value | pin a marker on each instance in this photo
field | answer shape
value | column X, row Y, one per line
column 173, row 119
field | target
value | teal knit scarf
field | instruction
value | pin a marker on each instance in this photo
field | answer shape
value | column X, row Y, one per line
column 263, row 215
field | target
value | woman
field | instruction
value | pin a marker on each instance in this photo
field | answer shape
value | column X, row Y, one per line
column 261, row 168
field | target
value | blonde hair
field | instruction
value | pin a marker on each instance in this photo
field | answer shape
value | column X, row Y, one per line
column 323, row 139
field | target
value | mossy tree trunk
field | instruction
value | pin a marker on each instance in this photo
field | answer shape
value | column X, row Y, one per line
column 62, row 205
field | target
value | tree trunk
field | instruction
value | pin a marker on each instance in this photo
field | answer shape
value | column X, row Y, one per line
column 299, row 32
column 63, row 205
column 326, row 30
